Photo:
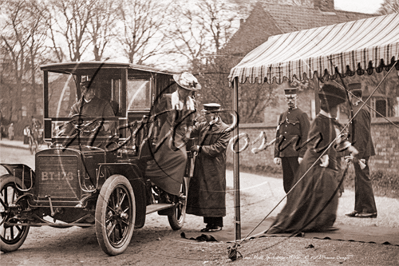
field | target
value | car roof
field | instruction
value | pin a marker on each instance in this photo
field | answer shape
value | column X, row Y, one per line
column 78, row 67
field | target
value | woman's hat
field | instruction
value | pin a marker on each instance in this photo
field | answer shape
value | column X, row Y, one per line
column 187, row 81
column 332, row 94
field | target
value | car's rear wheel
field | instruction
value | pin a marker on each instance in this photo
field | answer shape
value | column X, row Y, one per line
column 115, row 215
column 11, row 236
column 177, row 217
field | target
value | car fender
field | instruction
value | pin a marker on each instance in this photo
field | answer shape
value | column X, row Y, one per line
column 21, row 171
column 133, row 174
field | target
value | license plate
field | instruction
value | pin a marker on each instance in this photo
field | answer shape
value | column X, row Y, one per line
column 60, row 176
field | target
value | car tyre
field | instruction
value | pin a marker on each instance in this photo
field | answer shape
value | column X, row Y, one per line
column 178, row 216
column 115, row 215
column 11, row 237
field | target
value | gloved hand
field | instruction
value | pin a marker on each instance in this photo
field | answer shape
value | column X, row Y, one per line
column 348, row 158
column 300, row 159
column 362, row 163
column 277, row 161
column 324, row 161
column 195, row 148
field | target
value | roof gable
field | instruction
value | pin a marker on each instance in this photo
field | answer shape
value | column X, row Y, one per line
column 256, row 29
column 294, row 18
column 267, row 19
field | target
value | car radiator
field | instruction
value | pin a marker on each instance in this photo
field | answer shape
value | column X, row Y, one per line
column 58, row 177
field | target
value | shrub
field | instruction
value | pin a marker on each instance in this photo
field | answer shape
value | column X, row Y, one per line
column 384, row 184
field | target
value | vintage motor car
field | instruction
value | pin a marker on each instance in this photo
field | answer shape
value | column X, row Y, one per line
column 92, row 174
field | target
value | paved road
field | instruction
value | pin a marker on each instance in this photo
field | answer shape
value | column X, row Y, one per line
column 16, row 152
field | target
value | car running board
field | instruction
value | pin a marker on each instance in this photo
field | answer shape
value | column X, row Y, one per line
column 158, row 207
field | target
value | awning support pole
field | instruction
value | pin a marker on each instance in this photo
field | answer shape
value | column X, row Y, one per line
column 236, row 167
column 316, row 94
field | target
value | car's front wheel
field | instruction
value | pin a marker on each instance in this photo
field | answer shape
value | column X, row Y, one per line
column 115, row 215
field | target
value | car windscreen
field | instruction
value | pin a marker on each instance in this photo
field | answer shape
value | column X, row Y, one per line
column 62, row 94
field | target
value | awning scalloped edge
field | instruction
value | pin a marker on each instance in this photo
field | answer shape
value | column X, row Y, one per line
column 328, row 74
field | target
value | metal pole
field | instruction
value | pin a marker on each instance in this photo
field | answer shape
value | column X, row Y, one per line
column 236, row 169
column 316, row 95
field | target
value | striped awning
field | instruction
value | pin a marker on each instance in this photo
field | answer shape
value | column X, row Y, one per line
column 352, row 46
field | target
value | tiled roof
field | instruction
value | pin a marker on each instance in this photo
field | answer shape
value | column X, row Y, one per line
column 267, row 19
column 294, row 18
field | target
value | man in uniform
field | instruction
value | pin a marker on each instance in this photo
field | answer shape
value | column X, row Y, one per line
column 292, row 124
column 364, row 196
column 207, row 189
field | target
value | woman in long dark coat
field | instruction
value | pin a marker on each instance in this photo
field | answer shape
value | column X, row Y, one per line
column 167, row 168
column 207, row 189
column 312, row 205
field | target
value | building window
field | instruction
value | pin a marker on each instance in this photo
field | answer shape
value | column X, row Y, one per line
column 396, row 107
column 384, row 107
column 381, row 107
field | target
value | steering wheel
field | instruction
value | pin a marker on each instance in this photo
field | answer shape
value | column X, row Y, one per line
column 79, row 125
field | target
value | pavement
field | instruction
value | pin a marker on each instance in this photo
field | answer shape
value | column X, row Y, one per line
column 18, row 144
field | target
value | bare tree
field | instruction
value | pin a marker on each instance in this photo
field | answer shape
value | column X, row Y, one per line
column 389, row 6
column 36, row 47
column 101, row 25
column 202, row 29
column 14, row 36
column 212, row 77
column 68, row 27
column 253, row 98
column 199, row 34
column 143, row 23
column 23, row 40
column 217, row 17
column 188, row 38
column 6, row 84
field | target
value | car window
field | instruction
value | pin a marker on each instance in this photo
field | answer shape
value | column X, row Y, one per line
column 138, row 95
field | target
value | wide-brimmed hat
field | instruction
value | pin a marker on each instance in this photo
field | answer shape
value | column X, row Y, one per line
column 187, row 81
column 211, row 107
column 332, row 94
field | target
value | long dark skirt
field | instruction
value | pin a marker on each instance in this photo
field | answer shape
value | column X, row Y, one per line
column 168, row 167
column 313, row 204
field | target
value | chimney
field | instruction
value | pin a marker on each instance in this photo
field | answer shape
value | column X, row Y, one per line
column 324, row 5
